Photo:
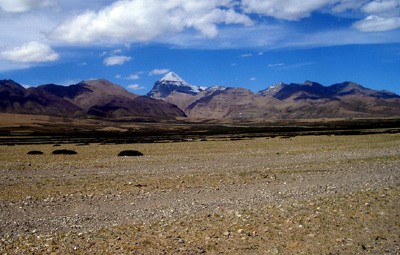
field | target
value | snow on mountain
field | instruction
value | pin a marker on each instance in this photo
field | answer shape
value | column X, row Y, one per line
column 271, row 90
column 172, row 77
column 170, row 83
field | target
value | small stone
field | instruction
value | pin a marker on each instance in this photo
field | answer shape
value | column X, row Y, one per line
column 240, row 231
column 274, row 251
column 227, row 233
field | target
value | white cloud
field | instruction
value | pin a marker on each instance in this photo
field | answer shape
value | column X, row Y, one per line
column 386, row 7
column 276, row 65
column 284, row 9
column 117, row 51
column 116, row 60
column 377, row 24
column 135, row 87
column 247, row 55
column 345, row 5
column 299, row 65
column 19, row 6
column 30, row 52
column 17, row 29
column 158, row 72
column 146, row 20
column 253, row 79
column 382, row 15
column 133, row 77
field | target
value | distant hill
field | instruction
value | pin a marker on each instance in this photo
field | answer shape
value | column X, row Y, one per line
column 14, row 98
column 95, row 98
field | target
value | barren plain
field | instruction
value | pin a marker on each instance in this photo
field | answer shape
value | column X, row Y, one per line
column 298, row 195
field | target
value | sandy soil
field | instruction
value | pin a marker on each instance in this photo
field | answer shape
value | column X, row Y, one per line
column 302, row 195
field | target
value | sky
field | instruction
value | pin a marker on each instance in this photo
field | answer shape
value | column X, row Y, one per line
column 235, row 43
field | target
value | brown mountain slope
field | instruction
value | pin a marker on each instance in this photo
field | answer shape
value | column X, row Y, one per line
column 233, row 103
column 106, row 99
column 101, row 98
column 347, row 99
column 97, row 98
column 16, row 99
column 282, row 101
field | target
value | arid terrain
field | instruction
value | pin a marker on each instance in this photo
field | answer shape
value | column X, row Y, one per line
column 299, row 195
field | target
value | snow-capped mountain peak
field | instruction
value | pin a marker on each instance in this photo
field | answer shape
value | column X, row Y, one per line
column 172, row 77
column 170, row 83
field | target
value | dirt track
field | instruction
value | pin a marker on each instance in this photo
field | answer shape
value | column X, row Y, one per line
column 303, row 195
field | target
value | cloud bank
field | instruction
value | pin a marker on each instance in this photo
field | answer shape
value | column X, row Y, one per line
column 283, row 9
column 30, row 52
column 133, row 21
column 19, row 6
column 33, row 30
column 145, row 20
column 116, row 60
column 135, row 87
column 158, row 72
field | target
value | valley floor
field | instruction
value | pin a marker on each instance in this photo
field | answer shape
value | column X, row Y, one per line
column 299, row 195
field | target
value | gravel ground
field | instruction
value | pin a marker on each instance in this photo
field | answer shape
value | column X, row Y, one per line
column 302, row 195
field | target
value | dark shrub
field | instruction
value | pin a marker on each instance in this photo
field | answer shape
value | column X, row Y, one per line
column 130, row 153
column 64, row 152
column 35, row 153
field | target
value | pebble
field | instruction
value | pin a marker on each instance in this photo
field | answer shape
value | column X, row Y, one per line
column 208, row 199
column 274, row 251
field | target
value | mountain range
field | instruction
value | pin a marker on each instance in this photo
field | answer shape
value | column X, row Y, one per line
column 94, row 98
column 172, row 97
column 281, row 101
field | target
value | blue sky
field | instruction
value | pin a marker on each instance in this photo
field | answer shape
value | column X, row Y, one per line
column 247, row 43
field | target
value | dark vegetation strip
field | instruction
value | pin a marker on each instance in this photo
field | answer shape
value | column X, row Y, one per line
column 162, row 132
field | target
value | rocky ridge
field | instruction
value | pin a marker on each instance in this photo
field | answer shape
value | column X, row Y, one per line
column 281, row 101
